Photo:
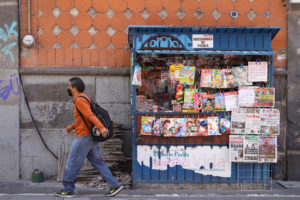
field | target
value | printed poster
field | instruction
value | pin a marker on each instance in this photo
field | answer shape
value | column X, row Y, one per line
column 251, row 149
column 268, row 149
column 236, row 148
column 257, row 71
column 238, row 121
column 264, row 97
column 270, row 122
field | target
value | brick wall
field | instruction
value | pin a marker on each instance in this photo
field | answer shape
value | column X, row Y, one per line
column 94, row 32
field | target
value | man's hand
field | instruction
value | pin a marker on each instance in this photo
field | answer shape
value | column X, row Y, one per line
column 69, row 129
column 104, row 132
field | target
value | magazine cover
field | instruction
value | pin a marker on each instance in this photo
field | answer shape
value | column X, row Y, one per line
column 174, row 72
column 240, row 75
column 158, row 128
column 191, row 127
column 180, row 127
column 187, row 75
column 224, row 125
column 270, row 122
column 220, row 102
column 252, row 123
column 257, row 71
column 189, row 98
column 228, row 79
column 238, row 121
column 268, row 149
column 264, row 97
column 202, row 126
column 179, row 93
column 169, row 127
column 251, row 149
column 216, row 78
column 208, row 102
column 236, row 148
column 146, row 125
column 246, row 97
column 231, row 100
column 206, row 77
column 213, row 126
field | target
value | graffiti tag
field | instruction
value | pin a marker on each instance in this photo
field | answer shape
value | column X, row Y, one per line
column 5, row 34
column 6, row 90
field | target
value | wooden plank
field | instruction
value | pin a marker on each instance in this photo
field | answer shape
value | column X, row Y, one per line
column 62, row 159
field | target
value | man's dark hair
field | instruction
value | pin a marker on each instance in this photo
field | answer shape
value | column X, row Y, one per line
column 78, row 83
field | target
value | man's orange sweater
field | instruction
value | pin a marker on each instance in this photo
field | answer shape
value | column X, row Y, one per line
column 85, row 108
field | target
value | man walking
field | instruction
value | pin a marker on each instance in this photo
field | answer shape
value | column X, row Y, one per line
column 83, row 146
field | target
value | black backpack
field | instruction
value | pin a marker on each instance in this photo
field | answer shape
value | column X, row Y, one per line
column 103, row 117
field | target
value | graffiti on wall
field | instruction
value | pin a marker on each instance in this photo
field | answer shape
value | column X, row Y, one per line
column 6, row 34
column 200, row 159
column 12, row 88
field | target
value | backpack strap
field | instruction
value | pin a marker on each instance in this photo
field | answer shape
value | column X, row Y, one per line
column 81, row 115
column 86, row 99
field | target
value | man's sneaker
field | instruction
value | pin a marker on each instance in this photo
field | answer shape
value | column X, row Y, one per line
column 62, row 193
column 114, row 191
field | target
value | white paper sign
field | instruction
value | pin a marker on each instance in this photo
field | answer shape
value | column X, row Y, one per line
column 203, row 41
column 200, row 159
column 246, row 96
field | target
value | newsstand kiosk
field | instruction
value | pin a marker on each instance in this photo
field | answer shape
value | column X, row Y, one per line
column 203, row 106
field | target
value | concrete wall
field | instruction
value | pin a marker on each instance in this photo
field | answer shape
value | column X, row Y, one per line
column 293, row 100
column 9, row 90
column 52, row 109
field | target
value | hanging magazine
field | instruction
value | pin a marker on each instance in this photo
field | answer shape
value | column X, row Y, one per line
column 270, row 122
column 231, row 100
column 246, row 97
column 208, row 102
column 264, row 97
column 174, row 72
column 216, row 78
column 257, row 71
column 219, row 102
column 189, row 98
column 180, row 127
column 268, row 149
column 228, row 79
column 157, row 129
column 240, row 75
column 146, row 123
column 187, row 75
column 179, row 93
column 191, row 128
column 169, row 127
column 224, row 125
column 238, row 121
column 206, row 76
column 137, row 76
column 213, row 126
column 251, row 149
column 236, row 148
column 202, row 127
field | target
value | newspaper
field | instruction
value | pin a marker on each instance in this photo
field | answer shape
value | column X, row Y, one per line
column 236, row 148
column 264, row 97
column 268, row 149
column 238, row 120
column 270, row 122
column 251, row 149
column 252, row 125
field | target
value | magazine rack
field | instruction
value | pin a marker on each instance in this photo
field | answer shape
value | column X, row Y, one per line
column 167, row 160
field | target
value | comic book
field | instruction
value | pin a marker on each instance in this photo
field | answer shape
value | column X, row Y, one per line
column 208, row 102
column 202, row 126
column 268, row 149
column 206, row 78
column 219, row 102
column 216, row 78
column 264, row 97
column 236, row 148
column 189, row 98
column 270, row 122
column 146, row 125
column 213, row 126
column 228, row 78
column 251, row 149
column 187, row 75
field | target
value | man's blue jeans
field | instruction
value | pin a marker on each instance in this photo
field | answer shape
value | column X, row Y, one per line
column 82, row 148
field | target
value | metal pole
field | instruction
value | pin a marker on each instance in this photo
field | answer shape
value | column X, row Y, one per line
column 28, row 16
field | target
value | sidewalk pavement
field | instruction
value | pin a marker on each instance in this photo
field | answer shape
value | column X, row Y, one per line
column 48, row 187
